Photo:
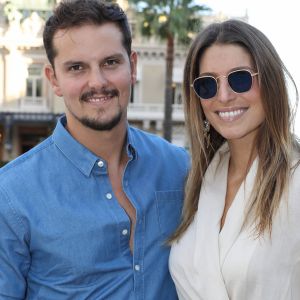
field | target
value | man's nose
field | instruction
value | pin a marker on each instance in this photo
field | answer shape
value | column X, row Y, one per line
column 97, row 78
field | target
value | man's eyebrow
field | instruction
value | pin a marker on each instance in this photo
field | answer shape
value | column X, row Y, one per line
column 115, row 55
column 78, row 62
column 72, row 62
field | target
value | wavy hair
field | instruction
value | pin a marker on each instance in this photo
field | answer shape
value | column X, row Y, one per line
column 274, row 141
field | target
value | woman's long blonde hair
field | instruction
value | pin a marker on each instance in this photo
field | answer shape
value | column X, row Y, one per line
column 274, row 139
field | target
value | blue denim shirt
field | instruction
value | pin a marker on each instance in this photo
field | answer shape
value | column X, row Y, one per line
column 63, row 234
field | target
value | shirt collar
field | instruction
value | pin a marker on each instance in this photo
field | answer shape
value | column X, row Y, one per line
column 131, row 146
column 79, row 155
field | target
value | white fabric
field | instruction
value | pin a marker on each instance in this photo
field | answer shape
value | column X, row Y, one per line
column 207, row 264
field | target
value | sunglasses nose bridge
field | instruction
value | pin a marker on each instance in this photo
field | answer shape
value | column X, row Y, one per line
column 225, row 92
column 221, row 76
column 222, row 79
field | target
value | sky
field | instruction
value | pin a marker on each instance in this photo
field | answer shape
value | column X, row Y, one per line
column 280, row 22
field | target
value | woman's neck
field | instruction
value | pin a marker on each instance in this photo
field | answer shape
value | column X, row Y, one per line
column 242, row 155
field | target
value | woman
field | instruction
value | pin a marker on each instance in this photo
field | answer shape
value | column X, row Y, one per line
column 240, row 233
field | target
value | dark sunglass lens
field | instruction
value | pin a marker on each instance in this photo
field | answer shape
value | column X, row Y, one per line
column 240, row 81
column 205, row 87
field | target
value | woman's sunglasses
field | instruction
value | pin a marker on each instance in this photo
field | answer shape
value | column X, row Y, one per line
column 240, row 81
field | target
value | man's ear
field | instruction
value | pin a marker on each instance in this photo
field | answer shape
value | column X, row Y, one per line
column 133, row 64
column 50, row 74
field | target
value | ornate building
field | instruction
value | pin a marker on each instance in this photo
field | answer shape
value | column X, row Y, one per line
column 28, row 107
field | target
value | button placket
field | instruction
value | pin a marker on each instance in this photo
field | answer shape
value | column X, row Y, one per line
column 137, row 268
column 108, row 196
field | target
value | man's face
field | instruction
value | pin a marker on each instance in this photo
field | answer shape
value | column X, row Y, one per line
column 93, row 74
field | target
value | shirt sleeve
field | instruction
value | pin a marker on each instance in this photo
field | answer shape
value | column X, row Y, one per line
column 14, row 251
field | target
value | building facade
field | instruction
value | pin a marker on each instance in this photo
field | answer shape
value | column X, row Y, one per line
column 28, row 107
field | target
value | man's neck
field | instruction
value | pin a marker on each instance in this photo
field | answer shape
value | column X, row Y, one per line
column 108, row 144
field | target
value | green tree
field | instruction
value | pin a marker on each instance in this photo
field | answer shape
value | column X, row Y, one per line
column 172, row 21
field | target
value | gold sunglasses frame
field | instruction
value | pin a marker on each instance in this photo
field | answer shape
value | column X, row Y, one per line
column 224, row 76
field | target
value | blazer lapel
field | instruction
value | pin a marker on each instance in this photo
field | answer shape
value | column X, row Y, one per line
column 210, row 210
column 235, row 216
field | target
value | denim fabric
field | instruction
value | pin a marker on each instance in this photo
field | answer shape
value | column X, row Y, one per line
column 63, row 234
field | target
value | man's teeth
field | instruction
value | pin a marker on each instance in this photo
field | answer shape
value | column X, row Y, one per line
column 230, row 114
column 95, row 100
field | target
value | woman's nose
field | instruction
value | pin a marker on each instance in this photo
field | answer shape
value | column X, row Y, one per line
column 225, row 92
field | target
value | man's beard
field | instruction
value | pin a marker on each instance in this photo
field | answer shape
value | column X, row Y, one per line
column 100, row 125
column 94, row 123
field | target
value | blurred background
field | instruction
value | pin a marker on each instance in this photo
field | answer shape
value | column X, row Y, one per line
column 161, row 35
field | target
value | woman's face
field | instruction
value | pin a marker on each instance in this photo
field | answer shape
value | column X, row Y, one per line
column 233, row 115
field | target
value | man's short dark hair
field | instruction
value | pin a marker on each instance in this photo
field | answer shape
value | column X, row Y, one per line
column 74, row 13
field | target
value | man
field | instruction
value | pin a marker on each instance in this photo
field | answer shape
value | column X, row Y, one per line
column 85, row 214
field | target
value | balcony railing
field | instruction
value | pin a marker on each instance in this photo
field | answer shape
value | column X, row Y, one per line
column 136, row 111
column 153, row 111
column 34, row 104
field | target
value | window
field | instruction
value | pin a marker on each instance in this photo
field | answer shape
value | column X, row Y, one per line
column 34, row 84
column 177, row 93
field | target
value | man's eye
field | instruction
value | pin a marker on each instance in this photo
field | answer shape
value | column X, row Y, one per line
column 75, row 68
column 111, row 62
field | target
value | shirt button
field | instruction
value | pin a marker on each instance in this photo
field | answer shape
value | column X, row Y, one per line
column 100, row 164
column 125, row 231
column 108, row 196
column 137, row 267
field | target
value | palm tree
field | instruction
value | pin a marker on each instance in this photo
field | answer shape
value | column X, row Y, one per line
column 172, row 21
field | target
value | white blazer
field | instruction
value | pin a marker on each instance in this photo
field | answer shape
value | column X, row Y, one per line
column 207, row 264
